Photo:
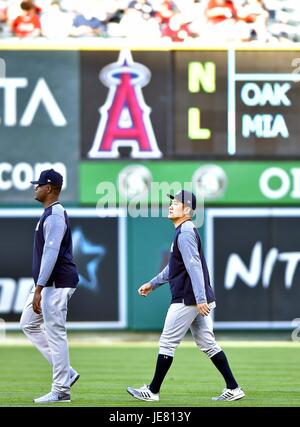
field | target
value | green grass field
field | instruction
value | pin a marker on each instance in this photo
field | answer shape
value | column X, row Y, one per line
column 269, row 375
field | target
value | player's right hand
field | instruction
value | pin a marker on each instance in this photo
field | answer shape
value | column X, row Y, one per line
column 36, row 303
column 203, row 309
column 145, row 289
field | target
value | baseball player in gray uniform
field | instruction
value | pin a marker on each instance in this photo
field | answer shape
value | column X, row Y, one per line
column 55, row 278
column 192, row 301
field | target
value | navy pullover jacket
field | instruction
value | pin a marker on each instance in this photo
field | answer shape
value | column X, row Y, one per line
column 52, row 250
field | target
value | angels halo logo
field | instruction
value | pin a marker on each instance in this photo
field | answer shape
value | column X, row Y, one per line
column 125, row 118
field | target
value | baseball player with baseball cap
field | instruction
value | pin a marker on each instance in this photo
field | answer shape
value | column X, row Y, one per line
column 55, row 279
column 192, row 301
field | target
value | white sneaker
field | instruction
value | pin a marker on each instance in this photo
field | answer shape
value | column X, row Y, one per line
column 53, row 397
column 74, row 376
column 230, row 394
column 143, row 393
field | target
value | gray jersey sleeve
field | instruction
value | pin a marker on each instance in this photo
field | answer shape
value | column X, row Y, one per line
column 187, row 244
column 161, row 278
column 54, row 230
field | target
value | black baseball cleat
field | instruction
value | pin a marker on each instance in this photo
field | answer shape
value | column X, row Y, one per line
column 74, row 377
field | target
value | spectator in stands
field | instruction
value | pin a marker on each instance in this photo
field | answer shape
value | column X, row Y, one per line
column 284, row 22
column 37, row 7
column 166, row 10
column 221, row 21
column 114, row 12
column 56, row 23
column 176, row 29
column 144, row 7
column 86, row 21
column 254, row 15
column 177, row 20
column 208, row 21
column 137, row 25
column 218, row 11
column 3, row 17
column 28, row 24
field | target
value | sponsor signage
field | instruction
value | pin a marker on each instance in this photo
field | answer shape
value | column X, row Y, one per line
column 39, row 126
column 253, row 257
column 221, row 182
column 100, row 300
column 236, row 103
column 125, row 104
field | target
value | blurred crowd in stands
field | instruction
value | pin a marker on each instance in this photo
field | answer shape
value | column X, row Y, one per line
column 207, row 21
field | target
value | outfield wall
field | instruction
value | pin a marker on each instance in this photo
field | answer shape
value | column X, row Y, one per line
column 224, row 120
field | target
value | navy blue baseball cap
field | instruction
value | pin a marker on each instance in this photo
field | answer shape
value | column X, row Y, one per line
column 49, row 176
column 186, row 197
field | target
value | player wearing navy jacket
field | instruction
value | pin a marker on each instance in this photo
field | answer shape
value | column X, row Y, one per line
column 55, row 279
column 192, row 301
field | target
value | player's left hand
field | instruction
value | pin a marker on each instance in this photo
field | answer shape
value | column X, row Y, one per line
column 203, row 309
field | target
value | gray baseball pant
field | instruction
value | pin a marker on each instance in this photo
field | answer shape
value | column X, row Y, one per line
column 47, row 331
column 179, row 319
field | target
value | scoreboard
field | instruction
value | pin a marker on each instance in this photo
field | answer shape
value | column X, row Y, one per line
column 242, row 103
column 160, row 106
